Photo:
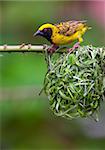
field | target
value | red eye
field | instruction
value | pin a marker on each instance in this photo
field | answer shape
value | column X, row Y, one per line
column 45, row 30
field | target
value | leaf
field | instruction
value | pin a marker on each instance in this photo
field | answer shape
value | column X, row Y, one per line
column 72, row 59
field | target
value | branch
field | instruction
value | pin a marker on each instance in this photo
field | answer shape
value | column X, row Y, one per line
column 24, row 48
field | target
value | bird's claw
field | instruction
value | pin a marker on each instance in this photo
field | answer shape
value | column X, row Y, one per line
column 52, row 49
column 75, row 46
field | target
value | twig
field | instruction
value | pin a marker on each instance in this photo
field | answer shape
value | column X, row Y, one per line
column 24, row 48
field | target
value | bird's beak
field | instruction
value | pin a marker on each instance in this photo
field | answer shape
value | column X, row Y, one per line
column 37, row 33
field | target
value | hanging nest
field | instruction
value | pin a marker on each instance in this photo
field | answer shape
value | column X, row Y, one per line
column 75, row 83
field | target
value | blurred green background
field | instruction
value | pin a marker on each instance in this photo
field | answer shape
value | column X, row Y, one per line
column 26, row 120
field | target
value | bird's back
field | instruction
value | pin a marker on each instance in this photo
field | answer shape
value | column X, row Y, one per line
column 70, row 27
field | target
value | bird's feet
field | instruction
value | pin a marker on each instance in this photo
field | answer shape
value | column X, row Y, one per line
column 52, row 49
column 75, row 46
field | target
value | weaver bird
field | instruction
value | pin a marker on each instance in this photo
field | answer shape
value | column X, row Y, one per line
column 63, row 33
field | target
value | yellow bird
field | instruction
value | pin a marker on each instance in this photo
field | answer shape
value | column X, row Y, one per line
column 63, row 33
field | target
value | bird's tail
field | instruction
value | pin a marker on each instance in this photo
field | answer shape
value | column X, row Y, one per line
column 85, row 28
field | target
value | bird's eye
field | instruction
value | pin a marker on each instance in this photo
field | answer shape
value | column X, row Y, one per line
column 45, row 30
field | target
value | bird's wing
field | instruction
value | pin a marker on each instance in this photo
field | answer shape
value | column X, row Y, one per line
column 70, row 27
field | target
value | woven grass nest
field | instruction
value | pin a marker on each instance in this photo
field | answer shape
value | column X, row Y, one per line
column 75, row 83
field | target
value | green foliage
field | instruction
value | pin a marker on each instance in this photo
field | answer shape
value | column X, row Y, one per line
column 74, row 84
column 22, row 69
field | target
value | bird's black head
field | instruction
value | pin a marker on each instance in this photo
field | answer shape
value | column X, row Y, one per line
column 46, row 32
